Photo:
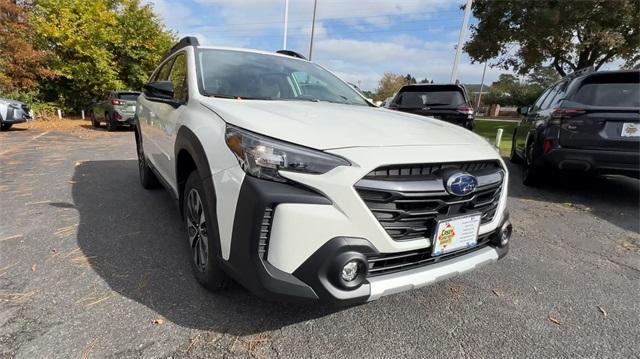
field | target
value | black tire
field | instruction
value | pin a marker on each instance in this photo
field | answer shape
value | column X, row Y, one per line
column 514, row 157
column 94, row 121
column 111, row 124
column 197, row 214
column 470, row 125
column 531, row 174
column 148, row 179
column 5, row 126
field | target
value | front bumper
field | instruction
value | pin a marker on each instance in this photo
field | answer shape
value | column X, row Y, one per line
column 598, row 161
column 263, row 216
column 16, row 115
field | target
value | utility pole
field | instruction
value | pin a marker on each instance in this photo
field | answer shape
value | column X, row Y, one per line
column 463, row 29
column 286, row 24
column 313, row 27
column 481, row 86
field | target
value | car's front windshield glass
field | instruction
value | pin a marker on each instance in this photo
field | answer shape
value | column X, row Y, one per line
column 254, row 76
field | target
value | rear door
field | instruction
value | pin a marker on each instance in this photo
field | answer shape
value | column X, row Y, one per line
column 537, row 116
column 603, row 112
column 522, row 131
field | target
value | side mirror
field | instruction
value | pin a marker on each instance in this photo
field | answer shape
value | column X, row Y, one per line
column 159, row 90
column 523, row 110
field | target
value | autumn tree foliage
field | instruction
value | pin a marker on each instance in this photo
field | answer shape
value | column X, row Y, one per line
column 568, row 35
column 97, row 45
column 390, row 83
column 21, row 65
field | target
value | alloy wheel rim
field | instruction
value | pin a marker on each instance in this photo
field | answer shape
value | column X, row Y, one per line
column 197, row 230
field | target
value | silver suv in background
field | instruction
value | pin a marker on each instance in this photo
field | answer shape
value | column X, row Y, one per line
column 115, row 108
column 12, row 112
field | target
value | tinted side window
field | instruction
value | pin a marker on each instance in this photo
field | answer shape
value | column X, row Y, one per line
column 560, row 94
column 163, row 72
column 540, row 99
column 178, row 77
column 547, row 101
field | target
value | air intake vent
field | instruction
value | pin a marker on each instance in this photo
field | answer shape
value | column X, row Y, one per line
column 394, row 262
column 265, row 231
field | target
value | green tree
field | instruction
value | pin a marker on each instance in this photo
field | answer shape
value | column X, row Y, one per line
column 569, row 35
column 543, row 76
column 409, row 80
column 508, row 90
column 97, row 45
column 142, row 42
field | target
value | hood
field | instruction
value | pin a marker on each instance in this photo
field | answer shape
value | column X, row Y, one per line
column 11, row 102
column 324, row 126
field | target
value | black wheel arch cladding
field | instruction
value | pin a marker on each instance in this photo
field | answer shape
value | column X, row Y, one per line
column 187, row 142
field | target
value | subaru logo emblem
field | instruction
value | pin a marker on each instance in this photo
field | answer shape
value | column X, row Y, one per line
column 461, row 184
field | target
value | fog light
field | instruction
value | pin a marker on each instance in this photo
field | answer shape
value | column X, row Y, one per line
column 505, row 233
column 350, row 271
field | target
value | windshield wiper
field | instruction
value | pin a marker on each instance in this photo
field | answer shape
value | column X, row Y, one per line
column 239, row 97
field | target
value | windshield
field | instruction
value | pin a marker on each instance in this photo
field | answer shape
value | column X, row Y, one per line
column 420, row 99
column 246, row 75
column 128, row 96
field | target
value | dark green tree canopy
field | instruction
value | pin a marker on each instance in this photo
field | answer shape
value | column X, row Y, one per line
column 568, row 35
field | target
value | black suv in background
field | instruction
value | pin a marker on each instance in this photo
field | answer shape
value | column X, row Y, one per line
column 445, row 102
column 588, row 122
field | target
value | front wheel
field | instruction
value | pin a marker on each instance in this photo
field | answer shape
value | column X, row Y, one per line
column 200, row 235
column 6, row 126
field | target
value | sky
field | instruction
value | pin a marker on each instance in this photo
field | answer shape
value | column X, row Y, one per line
column 357, row 39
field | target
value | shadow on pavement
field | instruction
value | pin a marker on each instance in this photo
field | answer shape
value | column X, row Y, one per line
column 136, row 244
column 615, row 199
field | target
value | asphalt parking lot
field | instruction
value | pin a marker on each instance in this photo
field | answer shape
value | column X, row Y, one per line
column 92, row 265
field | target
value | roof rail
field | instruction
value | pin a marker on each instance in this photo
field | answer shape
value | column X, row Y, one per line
column 582, row 71
column 291, row 53
column 184, row 42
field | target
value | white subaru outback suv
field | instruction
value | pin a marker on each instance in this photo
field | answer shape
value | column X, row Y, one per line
column 294, row 185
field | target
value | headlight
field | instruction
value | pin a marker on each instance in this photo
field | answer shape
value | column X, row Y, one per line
column 263, row 157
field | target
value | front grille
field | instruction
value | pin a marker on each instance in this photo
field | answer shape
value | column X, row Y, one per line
column 409, row 200
column 265, row 231
column 395, row 262
column 428, row 169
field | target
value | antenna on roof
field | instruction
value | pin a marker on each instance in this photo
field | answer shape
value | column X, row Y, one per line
column 291, row 53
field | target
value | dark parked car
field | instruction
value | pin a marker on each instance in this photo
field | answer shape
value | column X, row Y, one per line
column 115, row 108
column 587, row 122
column 445, row 102
column 12, row 112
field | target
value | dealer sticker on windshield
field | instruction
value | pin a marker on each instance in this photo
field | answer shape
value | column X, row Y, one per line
column 630, row 129
column 456, row 233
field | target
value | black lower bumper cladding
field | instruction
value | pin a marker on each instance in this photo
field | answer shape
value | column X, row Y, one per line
column 244, row 263
column 317, row 279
